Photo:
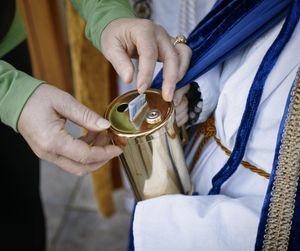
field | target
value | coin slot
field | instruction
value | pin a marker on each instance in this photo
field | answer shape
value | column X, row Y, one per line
column 122, row 107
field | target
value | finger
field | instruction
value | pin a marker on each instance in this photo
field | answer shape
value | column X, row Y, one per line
column 170, row 59
column 75, row 167
column 182, row 108
column 121, row 63
column 182, row 120
column 179, row 94
column 79, row 151
column 89, row 137
column 181, row 114
column 96, row 139
column 185, row 54
column 148, row 56
column 68, row 107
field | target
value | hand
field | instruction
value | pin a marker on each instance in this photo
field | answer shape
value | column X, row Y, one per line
column 181, row 105
column 125, row 38
column 42, row 122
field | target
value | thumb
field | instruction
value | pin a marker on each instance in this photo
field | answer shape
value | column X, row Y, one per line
column 71, row 109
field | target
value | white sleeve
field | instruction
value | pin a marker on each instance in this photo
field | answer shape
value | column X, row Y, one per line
column 178, row 222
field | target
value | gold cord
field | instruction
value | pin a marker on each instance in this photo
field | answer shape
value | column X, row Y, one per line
column 208, row 129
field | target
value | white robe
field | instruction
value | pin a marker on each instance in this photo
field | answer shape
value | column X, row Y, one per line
column 227, row 221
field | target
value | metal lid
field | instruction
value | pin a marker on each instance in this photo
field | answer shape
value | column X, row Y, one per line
column 154, row 115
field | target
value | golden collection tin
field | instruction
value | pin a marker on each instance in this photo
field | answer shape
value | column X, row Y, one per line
column 152, row 151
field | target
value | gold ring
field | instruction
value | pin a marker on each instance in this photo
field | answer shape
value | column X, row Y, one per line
column 180, row 39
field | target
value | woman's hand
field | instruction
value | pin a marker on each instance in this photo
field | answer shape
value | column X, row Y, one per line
column 42, row 123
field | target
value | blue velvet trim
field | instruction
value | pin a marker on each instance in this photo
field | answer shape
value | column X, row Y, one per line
column 230, row 26
column 253, row 101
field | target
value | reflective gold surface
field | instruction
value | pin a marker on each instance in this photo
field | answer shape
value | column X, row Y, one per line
column 152, row 153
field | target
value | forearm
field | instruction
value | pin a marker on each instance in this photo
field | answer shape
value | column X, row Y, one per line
column 15, row 88
column 98, row 14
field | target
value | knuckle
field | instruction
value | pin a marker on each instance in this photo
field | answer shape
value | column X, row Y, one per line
column 85, row 114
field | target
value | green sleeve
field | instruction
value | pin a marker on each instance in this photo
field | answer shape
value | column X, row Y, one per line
column 15, row 88
column 99, row 13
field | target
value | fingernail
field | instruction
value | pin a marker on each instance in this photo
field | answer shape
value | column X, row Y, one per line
column 142, row 88
column 103, row 123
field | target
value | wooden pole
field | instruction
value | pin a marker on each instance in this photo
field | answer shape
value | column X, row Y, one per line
column 47, row 41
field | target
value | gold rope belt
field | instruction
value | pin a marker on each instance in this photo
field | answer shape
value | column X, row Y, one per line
column 208, row 129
